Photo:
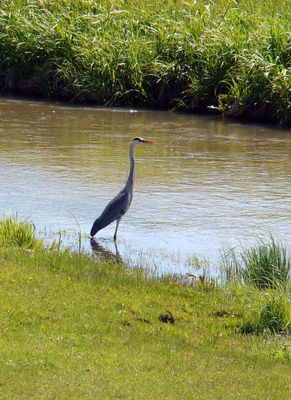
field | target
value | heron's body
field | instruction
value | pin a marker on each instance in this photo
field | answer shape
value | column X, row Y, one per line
column 118, row 206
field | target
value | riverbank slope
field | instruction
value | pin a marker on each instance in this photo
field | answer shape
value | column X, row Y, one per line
column 233, row 56
column 74, row 328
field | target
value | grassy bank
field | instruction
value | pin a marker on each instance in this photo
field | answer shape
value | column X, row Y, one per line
column 72, row 328
column 175, row 54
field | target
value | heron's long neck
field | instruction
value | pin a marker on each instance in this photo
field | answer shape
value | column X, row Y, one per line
column 130, row 179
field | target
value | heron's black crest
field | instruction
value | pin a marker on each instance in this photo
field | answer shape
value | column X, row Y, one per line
column 137, row 138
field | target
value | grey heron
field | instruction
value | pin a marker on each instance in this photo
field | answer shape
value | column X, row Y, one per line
column 118, row 206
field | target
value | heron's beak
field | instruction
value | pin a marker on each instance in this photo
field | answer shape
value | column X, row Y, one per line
column 148, row 141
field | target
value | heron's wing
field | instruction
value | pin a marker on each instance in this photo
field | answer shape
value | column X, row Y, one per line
column 114, row 210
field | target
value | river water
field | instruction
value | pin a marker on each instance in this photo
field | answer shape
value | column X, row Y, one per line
column 205, row 185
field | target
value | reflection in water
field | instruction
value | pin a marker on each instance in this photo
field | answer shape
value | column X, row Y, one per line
column 205, row 184
column 104, row 254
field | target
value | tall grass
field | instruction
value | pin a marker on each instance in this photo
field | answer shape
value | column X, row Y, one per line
column 15, row 233
column 174, row 54
column 273, row 316
column 263, row 270
column 261, row 273
column 264, row 265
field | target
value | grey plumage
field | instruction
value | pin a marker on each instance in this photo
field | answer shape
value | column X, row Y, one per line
column 118, row 206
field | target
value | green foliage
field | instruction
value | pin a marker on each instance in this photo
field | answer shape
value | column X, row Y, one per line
column 15, row 233
column 174, row 54
column 265, row 265
column 265, row 270
column 274, row 316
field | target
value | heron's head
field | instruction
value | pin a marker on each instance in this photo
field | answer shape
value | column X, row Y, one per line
column 139, row 140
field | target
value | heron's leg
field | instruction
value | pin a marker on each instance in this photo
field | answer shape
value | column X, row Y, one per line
column 117, row 224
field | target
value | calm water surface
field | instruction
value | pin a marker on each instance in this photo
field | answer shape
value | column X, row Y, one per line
column 205, row 184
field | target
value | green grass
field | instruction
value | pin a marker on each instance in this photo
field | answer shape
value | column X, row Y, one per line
column 72, row 328
column 15, row 233
column 174, row 54
column 265, row 265
column 276, row 316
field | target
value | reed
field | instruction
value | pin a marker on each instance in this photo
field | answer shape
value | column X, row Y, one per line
column 175, row 54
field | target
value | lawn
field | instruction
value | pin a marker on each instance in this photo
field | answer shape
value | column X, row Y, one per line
column 72, row 328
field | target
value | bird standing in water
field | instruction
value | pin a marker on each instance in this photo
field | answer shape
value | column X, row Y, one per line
column 118, row 206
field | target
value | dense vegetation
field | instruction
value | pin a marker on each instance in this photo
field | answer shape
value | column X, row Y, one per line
column 74, row 328
column 186, row 55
